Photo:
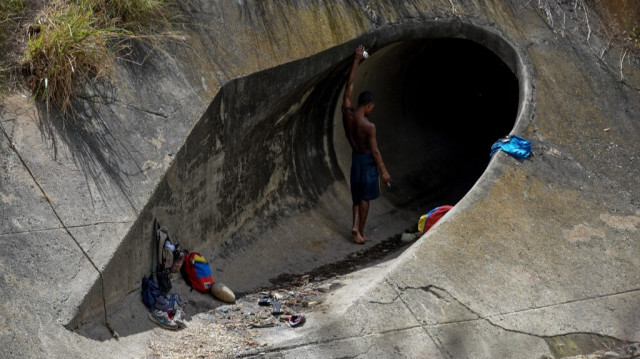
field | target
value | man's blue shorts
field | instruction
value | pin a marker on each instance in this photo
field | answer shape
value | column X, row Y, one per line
column 364, row 178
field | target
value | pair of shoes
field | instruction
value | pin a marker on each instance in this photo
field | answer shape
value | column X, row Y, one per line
column 162, row 319
column 178, row 318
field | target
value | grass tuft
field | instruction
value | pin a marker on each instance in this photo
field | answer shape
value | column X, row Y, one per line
column 133, row 15
column 75, row 42
column 66, row 47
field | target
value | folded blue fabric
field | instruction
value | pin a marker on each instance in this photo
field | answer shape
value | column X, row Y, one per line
column 514, row 145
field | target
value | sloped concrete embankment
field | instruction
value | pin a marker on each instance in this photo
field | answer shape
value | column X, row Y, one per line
column 540, row 248
column 259, row 184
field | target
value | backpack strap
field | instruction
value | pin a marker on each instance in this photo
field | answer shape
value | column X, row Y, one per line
column 154, row 257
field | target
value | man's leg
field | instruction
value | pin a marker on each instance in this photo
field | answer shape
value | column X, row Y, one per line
column 355, row 233
column 364, row 210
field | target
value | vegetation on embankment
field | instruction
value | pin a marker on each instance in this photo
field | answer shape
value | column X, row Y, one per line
column 11, row 12
column 66, row 44
column 71, row 43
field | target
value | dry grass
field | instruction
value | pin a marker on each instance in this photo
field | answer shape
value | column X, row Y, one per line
column 67, row 46
column 616, row 21
column 11, row 12
column 73, row 43
column 623, row 16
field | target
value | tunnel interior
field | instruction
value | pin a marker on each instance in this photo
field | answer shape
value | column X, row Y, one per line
column 440, row 104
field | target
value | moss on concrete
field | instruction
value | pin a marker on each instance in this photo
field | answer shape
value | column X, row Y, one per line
column 569, row 345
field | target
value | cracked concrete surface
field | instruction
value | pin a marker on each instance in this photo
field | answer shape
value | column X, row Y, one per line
column 539, row 248
column 83, row 249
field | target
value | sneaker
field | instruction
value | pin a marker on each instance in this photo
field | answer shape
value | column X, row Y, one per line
column 162, row 319
column 178, row 318
column 176, row 302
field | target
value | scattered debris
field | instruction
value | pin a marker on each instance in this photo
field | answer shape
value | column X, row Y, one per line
column 629, row 351
column 231, row 330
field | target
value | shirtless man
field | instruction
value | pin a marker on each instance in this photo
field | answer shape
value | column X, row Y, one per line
column 366, row 159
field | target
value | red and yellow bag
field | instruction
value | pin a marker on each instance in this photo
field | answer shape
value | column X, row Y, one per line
column 196, row 272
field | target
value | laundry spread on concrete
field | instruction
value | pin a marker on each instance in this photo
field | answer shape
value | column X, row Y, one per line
column 516, row 146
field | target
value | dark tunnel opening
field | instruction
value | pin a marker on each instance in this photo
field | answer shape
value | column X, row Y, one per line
column 440, row 104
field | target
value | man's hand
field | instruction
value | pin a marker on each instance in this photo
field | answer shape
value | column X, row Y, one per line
column 386, row 177
column 348, row 87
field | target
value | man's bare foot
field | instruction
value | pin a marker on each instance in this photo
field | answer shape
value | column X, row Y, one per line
column 357, row 238
column 366, row 239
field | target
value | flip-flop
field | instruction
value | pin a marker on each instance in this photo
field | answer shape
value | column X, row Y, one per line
column 296, row 320
column 264, row 301
column 276, row 308
column 262, row 324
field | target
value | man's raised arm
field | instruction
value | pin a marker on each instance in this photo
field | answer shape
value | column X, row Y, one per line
column 348, row 89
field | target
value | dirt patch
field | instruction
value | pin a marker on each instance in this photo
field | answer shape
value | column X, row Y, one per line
column 355, row 261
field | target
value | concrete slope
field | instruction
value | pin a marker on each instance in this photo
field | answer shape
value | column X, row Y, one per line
column 250, row 170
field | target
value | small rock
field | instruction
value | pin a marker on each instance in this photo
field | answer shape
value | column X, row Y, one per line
column 408, row 237
column 335, row 285
column 611, row 354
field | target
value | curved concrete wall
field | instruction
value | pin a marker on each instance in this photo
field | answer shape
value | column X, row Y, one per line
column 537, row 248
column 258, row 185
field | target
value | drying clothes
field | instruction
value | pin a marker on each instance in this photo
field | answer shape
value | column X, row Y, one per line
column 364, row 178
column 428, row 220
column 514, row 145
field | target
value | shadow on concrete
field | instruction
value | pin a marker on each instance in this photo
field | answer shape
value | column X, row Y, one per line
column 95, row 138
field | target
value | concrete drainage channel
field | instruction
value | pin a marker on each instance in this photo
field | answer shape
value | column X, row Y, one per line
column 259, row 186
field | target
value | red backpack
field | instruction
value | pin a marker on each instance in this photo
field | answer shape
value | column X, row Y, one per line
column 196, row 272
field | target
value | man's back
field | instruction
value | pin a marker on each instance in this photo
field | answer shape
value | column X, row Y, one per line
column 357, row 129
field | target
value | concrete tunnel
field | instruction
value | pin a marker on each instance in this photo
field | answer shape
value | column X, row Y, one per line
column 440, row 104
column 261, row 184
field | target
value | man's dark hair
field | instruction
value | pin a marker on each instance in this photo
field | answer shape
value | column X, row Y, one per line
column 365, row 98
